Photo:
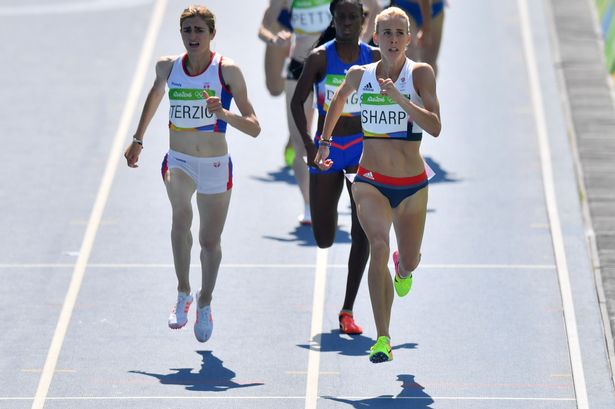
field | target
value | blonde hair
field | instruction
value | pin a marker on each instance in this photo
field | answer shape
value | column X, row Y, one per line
column 392, row 12
column 202, row 12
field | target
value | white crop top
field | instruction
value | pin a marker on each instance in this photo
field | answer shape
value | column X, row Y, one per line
column 381, row 117
column 188, row 107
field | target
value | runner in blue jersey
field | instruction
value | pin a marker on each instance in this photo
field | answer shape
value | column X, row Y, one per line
column 398, row 102
column 338, row 49
column 290, row 28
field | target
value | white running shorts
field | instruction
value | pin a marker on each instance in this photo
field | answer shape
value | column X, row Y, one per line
column 211, row 175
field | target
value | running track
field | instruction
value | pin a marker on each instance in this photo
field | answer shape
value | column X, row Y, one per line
column 504, row 311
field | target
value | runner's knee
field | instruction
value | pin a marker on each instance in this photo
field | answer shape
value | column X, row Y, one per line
column 379, row 249
column 324, row 240
column 275, row 88
column 409, row 267
column 182, row 218
column 209, row 244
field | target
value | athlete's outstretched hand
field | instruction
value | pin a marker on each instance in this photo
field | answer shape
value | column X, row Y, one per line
column 321, row 158
column 282, row 39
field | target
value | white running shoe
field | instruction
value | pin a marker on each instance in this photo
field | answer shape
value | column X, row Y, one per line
column 204, row 325
column 179, row 315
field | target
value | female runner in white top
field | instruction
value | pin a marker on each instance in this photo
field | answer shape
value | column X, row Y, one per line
column 392, row 126
column 201, row 84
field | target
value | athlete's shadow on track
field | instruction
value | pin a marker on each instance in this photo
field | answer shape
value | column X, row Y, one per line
column 356, row 345
column 283, row 174
column 212, row 377
column 412, row 396
column 441, row 176
column 303, row 236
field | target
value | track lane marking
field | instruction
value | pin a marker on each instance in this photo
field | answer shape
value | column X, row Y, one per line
column 184, row 397
column 557, row 239
column 283, row 266
column 99, row 205
column 318, row 306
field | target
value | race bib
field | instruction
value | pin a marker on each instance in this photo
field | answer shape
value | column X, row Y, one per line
column 332, row 83
column 310, row 16
column 189, row 109
column 383, row 117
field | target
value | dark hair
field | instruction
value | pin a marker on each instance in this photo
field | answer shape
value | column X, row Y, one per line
column 329, row 33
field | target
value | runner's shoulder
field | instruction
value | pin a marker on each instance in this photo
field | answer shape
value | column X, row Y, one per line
column 165, row 64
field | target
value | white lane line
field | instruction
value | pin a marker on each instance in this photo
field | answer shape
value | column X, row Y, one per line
column 590, row 234
column 437, row 398
column 35, row 370
column 318, row 305
column 283, row 266
column 358, row 398
column 101, row 199
column 552, row 210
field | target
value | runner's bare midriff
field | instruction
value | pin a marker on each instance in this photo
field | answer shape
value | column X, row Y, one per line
column 392, row 158
column 199, row 144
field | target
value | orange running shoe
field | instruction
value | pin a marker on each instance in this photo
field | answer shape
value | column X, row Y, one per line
column 347, row 324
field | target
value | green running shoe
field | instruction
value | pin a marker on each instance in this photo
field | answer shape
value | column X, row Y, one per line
column 381, row 351
column 289, row 155
column 402, row 285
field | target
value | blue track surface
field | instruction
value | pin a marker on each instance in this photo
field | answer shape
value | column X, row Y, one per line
column 483, row 327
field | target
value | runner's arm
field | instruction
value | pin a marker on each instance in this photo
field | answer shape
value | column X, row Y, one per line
column 152, row 102
column 350, row 85
column 266, row 30
column 373, row 8
column 313, row 70
column 428, row 116
column 247, row 121
column 424, row 35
